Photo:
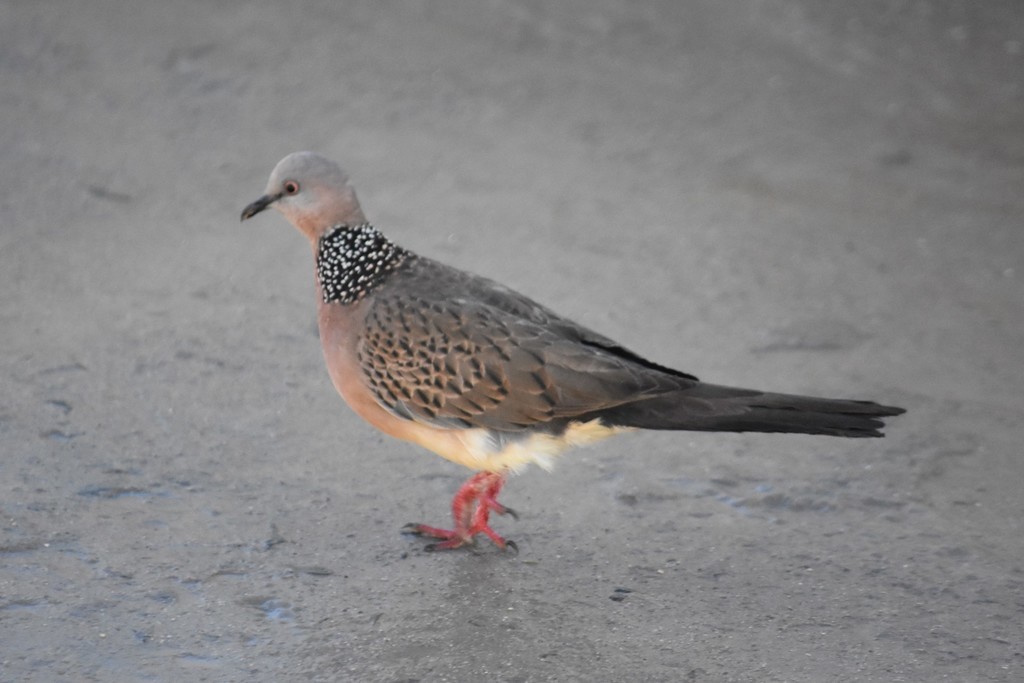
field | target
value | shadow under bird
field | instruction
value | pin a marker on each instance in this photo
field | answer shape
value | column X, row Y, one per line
column 485, row 376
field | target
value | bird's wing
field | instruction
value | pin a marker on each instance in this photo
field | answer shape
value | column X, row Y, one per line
column 460, row 362
column 441, row 281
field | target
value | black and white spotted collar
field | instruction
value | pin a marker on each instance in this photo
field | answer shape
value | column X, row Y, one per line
column 352, row 261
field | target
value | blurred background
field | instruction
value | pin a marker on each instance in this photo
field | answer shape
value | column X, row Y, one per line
column 812, row 197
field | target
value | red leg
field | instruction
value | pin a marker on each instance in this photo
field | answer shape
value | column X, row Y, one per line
column 489, row 498
column 482, row 491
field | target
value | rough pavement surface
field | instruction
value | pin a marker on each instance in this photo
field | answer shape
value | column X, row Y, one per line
column 804, row 196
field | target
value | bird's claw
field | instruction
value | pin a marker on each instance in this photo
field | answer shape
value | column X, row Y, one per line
column 475, row 500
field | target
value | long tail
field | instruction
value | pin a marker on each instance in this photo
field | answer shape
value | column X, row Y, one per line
column 709, row 407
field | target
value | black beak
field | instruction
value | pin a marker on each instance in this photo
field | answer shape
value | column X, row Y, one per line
column 259, row 205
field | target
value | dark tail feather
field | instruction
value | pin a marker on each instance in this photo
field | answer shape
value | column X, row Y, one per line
column 708, row 407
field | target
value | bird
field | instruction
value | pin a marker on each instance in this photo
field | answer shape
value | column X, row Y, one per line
column 487, row 377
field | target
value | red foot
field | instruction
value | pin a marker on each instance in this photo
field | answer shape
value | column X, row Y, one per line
column 482, row 489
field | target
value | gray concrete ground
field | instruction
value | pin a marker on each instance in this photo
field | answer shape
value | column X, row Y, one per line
column 806, row 196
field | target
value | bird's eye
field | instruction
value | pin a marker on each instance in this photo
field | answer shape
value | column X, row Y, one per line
column 291, row 187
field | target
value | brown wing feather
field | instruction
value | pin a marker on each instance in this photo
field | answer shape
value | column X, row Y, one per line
column 451, row 349
column 444, row 283
column 469, row 364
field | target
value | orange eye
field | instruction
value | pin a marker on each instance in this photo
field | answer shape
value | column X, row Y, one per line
column 291, row 187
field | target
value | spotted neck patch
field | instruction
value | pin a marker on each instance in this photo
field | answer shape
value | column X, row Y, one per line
column 352, row 261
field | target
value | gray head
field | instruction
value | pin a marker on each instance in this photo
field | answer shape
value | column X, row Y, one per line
column 312, row 192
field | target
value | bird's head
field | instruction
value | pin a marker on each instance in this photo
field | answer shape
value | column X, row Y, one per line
column 312, row 192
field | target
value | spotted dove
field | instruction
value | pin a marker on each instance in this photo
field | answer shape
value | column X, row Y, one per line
column 485, row 376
